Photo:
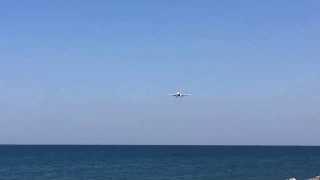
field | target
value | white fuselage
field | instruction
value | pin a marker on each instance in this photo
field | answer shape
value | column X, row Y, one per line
column 178, row 94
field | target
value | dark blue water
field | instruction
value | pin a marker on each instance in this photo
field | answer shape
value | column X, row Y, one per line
column 158, row 162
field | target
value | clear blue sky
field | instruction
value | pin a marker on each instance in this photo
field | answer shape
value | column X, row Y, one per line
column 98, row 72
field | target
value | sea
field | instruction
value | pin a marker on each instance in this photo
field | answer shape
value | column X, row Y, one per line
column 128, row 162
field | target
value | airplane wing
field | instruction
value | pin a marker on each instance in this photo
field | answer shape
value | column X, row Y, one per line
column 171, row 94
column 185, row 94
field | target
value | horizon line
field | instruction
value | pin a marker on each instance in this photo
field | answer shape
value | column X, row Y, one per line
column 260, row 145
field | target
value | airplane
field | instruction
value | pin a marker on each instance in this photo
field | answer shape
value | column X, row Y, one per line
column 179, row 94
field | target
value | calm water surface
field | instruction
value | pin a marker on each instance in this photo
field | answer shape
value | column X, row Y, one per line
column 158, row 162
